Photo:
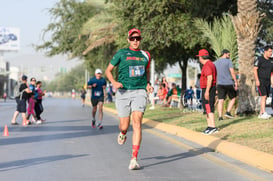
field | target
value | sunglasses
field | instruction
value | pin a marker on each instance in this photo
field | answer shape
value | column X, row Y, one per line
column 133, row 38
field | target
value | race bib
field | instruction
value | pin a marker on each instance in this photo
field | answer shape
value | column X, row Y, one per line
column 97, row 93
column 136, row 71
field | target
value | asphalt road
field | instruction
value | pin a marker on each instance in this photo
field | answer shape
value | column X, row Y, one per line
column 67, row 148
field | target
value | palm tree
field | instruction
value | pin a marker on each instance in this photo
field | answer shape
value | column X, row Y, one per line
column 100, row 28
column 247, row 27
column 220, row 35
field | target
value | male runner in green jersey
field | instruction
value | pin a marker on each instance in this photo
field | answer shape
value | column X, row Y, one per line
column 131, row 97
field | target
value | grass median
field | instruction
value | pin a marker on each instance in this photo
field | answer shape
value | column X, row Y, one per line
column 249, row 131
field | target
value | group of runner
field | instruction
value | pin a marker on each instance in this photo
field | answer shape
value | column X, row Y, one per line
column 29, row 102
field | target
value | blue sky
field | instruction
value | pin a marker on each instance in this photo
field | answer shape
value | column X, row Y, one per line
column 30, row 16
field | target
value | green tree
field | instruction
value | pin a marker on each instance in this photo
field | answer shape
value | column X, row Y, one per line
column 74, row 79
column 68, row 18
column 266, row 33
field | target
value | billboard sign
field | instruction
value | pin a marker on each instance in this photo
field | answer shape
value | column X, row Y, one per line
column 9, row 39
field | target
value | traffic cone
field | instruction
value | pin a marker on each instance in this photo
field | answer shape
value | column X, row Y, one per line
column 6, row 131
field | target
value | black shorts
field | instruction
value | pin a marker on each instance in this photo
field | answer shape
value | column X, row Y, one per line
column 21, row 105
column 96, row 101
column 224, row 90
column 208, row 105
column 264, row 88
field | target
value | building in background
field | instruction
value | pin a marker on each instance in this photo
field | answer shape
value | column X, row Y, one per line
column 9, row 42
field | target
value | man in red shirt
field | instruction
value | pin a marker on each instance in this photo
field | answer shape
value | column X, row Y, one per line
column 208, row 86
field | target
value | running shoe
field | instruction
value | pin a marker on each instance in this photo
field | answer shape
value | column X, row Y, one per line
column 152, row 108
column 228, row 115
column 210, row 130
column 264, row 116
column 213, row 130
column 38, row 122
column 99, row 126
column 206, row 131
column 133, row 164
column 93, row 124
column 121, row 138
column 268, row 115
column 220, row 119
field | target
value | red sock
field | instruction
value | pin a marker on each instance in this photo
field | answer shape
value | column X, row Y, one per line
column 123, row 132
column 135, row 151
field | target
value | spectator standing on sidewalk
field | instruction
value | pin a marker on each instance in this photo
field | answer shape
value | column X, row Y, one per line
column 208, row 86
column 164, row 81
column 226, row 83
column 189, row 94
column 131, row 96
column 197, row 87
column 263, row 67
column 110, row 92
column 150, row 94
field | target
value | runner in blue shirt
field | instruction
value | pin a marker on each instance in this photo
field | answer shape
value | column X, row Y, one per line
column 98, row 85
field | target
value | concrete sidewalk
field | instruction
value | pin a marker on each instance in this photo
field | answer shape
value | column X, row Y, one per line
column 244, row 154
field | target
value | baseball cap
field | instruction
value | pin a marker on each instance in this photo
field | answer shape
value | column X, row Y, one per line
column 24, row 77
column 98, row 71
column 202, row 52
column 131, row 31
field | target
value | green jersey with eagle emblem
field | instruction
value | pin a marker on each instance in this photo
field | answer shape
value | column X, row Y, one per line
column 132, row 66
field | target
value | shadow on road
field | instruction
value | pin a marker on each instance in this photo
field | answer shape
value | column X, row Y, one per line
column 70, row 132
column 34, row 161
column 171, row 158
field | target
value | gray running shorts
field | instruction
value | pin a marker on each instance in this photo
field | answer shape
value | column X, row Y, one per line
column 128, row 101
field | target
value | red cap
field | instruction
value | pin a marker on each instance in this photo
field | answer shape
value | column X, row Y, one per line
column 202, row 52
column 131, row 31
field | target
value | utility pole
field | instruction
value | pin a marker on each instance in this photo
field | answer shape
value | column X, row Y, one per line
column 152, row 77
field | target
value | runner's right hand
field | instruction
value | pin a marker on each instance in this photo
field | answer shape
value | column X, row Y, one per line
column 117, row 85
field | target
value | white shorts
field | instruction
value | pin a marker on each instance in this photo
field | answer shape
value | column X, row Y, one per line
column 128, row 101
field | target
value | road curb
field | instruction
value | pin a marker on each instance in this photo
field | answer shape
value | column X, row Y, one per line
column 244, row 154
